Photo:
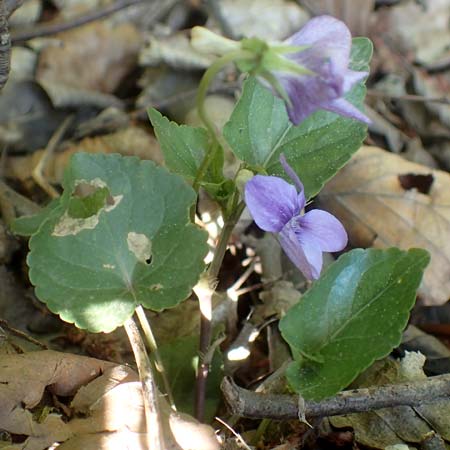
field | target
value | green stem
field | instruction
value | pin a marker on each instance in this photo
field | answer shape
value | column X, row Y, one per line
column 155, row 432
column 205, row 82
column 151, row 342
column 205, row 322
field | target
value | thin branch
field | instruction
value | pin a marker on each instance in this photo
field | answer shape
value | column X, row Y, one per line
column 47, row 29
column 155, row 431
column 38, row 172
column 5, row 45
column 409, row 97
column 245, row 403
column 20, row 334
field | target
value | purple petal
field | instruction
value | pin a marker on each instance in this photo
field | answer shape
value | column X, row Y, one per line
column 305, row 254
column 328, row 38
column 292, row 175
column 345, row 108
column 272, row 202
column 324, row 229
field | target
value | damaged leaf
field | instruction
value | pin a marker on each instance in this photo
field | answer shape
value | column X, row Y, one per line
column 94, row 271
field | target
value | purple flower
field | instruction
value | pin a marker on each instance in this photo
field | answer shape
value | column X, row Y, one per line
column 328, row 43
column 276, row 206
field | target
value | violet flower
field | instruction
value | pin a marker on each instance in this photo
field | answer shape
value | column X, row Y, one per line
column 276, row 206
column 328, row 43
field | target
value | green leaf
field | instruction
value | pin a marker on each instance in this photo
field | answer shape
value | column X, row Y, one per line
column 137, row 247
column 184, row 147
column 259, row 130
column 180, row 359
column 352, row 316
column 28, row 225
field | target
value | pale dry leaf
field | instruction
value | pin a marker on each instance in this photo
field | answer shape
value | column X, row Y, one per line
column 23, row 379
column 421, row 28
column 130, row 141
column 377, row 199
column 267, row 19
column 95, row 57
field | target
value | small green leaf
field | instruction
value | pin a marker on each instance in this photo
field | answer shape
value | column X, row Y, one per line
column 135, row 245
column 184, row 147
column 352, row 316
column 259, row 131
column 28, row 225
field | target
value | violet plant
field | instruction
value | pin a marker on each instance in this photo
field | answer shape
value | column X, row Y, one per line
column 122, row 236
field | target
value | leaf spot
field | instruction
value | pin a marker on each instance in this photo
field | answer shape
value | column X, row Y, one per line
column 141, row 246
column 156, row 287
column 71, row 226
column 420, row 182
column 109, row 266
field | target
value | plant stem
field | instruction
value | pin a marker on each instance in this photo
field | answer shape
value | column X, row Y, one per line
column 155, row 437
column 205, row 82
column 151, row 342
column 206, row 307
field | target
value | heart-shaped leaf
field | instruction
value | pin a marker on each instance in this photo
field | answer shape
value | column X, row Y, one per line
column 119, row 237
column 259, row 131
column 352, row 316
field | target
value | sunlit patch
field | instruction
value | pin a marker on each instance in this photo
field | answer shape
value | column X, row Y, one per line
column 253, row 335
column 238, row 354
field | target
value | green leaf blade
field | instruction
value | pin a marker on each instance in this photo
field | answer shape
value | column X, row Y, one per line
column 352, row 316
column 184, row 147
column 94, row 271
column 259, row 131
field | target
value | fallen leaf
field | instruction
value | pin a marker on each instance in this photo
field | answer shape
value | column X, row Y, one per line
column 422, row 30
column 267, row 19
column 94, row 57
column 368, row 197
column 103, row 391
column 130, row 141
column 402, row 424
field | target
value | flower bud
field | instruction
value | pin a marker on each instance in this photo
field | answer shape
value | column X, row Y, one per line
column 205, row 41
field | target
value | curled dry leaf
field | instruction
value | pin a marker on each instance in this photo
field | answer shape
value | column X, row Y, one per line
column 94, row 57
column 384, row 200
column 103, row 392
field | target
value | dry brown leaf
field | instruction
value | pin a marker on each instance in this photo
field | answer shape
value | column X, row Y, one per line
column 377, row 211
column 94, row 57
column 108, row 411
column 130, row 141
column 23, row 379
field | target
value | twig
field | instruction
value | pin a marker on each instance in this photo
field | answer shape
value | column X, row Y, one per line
column 237, row 435
column 245, row 403
column 21, row 334
column 151, row 342
column 205, row 300
column 5, row 45
column 38, row 171
column 47, row 29
column 409, row 97
column 155, row 436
